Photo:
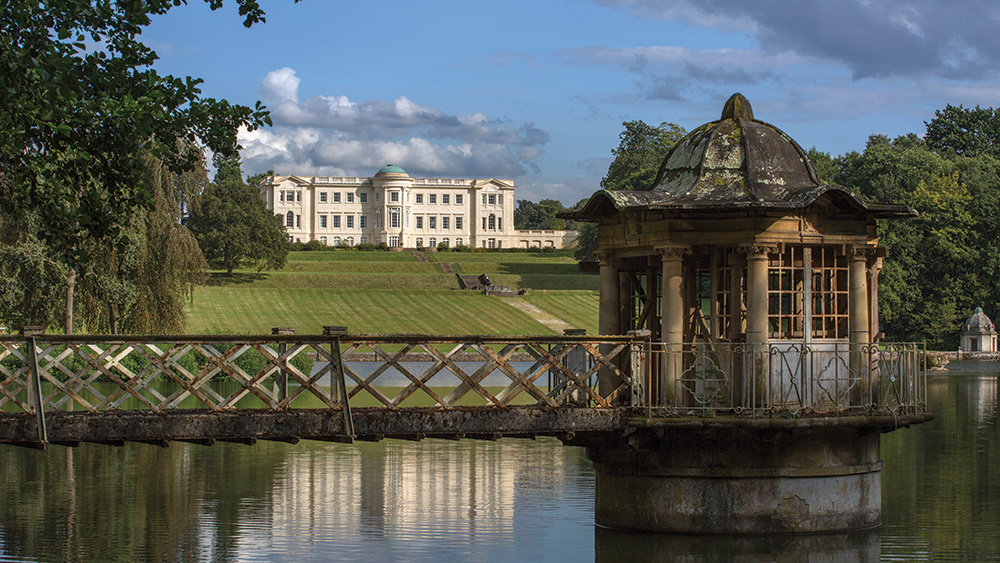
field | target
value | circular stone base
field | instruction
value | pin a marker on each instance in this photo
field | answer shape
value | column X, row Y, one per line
column 738, row 480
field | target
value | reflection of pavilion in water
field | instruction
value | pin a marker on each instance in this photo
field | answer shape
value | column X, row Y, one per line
column 397, row 488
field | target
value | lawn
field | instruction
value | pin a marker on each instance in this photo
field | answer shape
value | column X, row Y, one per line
column 393, row 292
column 255, row 310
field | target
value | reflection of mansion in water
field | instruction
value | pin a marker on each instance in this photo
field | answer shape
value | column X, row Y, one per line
column 401, row 211
column 399, row 488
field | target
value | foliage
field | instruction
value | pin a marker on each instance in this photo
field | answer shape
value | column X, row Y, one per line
column 541, row 215
column 586, row 243
column 965, row 131
column 233, row 226
column 957, row 232
column 32, row 285
column 641, row 150
column 80, row 103
column 140, row 285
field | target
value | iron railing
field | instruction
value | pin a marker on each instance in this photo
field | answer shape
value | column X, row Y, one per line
column 787, row 378
column 334, row 370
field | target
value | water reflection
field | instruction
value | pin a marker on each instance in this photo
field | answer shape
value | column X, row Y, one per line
column 512, row 500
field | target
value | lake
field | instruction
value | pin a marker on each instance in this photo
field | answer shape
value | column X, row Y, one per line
column 510, row 500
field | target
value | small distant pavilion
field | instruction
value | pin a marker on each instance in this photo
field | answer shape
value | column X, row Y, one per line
column 978, row 333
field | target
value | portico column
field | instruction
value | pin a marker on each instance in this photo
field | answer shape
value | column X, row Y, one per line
column 857, row 298
column 756, row 359
column 672, row 321
column 609, row 321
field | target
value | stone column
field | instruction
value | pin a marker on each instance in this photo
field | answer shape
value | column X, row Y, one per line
column 756, row 364
column 672, row 322
column 857, row 299
column 609, row 321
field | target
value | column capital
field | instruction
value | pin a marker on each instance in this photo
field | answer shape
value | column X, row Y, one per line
column 860, row 252
column 756, row 250
column 604, row 257
column 673, row 252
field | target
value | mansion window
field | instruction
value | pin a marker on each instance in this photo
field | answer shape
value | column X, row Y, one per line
column 444, row 223
column 444, row 199
column 458, row 199
column 350, row 198
column 336, row 241
column 493, row 222
column 363, row 197
column 420, row 222
column 492, row 243
column 336, row 197
column 458, row 242
column 322, row 240
column 432, row 222
column 322, row 197
column 350, row 221
column 364, row 240
column 458, row 223
column 363, row 222
column 322, row 221
column 419, row 198
column 336, row 221
column 394, row 241
column 394, row 219
column 432, row 198
column 290, row 220
column 433, row 242
column 394, row 198
column 350, row 241
column 420, row 242
column 298, row 221
column 492, row 199
column 445, row 241
column 378, row 220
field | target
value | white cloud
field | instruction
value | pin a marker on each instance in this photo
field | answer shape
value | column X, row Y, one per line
column 335, row 135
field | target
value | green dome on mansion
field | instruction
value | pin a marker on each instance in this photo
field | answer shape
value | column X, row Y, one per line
column 390, row 169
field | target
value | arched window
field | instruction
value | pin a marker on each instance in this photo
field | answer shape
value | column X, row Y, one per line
column 336, row 241
column 350, row 241
column 493, row 222
column 290, row 220
column 420, row 242
column 322, row 240
column 446, row 242
column 433, row 243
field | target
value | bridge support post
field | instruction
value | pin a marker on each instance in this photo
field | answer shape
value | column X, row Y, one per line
column 282, row 349
column 34, row 383
column 739, row 478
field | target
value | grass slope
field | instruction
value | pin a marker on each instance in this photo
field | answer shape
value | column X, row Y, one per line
column 393, row 292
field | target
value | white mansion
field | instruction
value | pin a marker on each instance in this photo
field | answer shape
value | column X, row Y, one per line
column 401, row 211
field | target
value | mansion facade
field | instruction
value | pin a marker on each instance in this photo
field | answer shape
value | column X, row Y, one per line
column 400, row 211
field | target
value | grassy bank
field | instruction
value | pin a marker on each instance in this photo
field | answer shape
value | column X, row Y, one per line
column 395, row 292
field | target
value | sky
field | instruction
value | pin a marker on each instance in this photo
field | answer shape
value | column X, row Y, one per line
column 537, row 91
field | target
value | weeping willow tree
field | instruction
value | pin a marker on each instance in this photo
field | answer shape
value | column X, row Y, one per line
column 139, row 284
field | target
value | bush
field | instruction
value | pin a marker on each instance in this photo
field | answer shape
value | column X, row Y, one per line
column 443, row 247
column 365, row 247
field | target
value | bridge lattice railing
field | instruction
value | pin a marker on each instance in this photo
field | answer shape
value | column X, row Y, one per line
column 161, row 373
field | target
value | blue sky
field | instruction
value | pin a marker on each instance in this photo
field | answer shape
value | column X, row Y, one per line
column 536, row 91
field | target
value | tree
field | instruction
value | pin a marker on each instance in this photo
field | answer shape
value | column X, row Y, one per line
column 964, row 132
column 233, row 226
column 79, row 104
column 641, row 150
column 541, row 215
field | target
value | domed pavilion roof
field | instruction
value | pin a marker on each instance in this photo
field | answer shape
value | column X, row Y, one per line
column 978, row 323
column 737, row 161
column 390, row 169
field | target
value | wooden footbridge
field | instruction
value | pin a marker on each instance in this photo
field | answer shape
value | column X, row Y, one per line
column 341, row 387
